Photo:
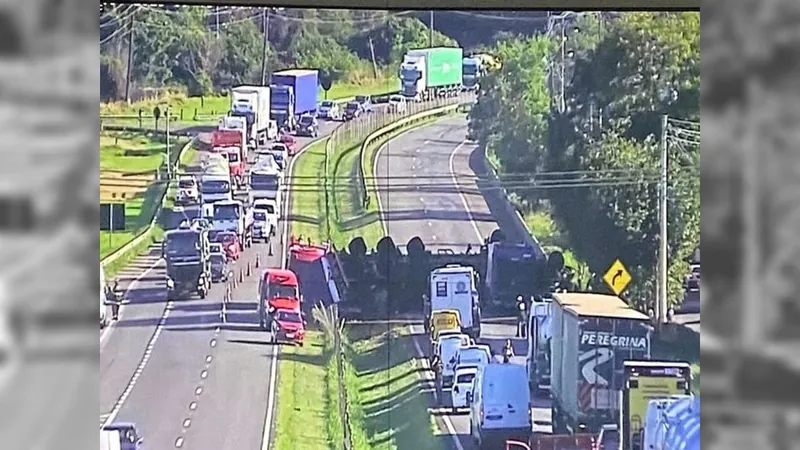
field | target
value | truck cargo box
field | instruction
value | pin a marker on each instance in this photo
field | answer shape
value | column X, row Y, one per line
column 444, row 65
column 593, row 336
column 305, row 83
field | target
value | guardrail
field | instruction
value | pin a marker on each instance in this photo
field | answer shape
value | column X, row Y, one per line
column 451, row 105
column 147, row 232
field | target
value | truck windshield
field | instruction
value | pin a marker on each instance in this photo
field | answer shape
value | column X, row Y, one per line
column 263, row 182
column 233, row 158
column 216, row 187
column 465, row 378
column 280, row 98
column 281, row 290
column 306, row 120
column 361, row 98
column 352, row 106
column 186, row 183
column 326, row 104
column 226, row 212
column 217, row 260
column 289, row 316
column 259, row 215
column 470, row 69
column 248, row 115
column 183, row 244
column 265, row 208
column 409, row 74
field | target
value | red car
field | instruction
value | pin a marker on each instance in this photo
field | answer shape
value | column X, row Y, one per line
column 230, row 242
column 290, row 142
column 288, row 325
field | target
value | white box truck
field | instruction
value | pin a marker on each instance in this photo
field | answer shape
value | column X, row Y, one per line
column 253, row 103
column 456, row 287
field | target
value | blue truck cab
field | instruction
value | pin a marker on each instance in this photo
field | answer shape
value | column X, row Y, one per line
column 294, row 93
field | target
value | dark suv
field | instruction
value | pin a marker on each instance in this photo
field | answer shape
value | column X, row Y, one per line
column 352, row 110
column 307, row 126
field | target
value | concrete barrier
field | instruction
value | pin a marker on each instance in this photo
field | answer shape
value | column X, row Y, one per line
column 147, row 232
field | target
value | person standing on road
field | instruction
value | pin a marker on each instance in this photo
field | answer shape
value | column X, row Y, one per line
column 522, row 317
column 437, row 366
column 114, row 297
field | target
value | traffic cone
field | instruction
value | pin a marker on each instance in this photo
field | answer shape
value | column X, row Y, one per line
column 249, row 272
column 258, row 260
column 241, row 276
column 270, row 247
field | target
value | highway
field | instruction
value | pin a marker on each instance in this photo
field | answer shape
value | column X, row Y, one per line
column 451, row 214
column 187, row 379
column 189, row 375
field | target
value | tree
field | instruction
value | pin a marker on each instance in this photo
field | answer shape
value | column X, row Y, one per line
column 645, row 65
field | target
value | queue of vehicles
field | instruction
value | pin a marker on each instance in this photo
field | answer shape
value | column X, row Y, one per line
column 589, row 352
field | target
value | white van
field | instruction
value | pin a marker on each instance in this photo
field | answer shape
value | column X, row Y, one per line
column 448, row 348
column 655, row 424
column 500, row 405
column 461, row 386
column 473, row 356
column 110, row 440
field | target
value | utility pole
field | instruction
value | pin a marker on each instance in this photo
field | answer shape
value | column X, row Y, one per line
column 265, row 26
column 216, row 19
column 130, row 60
column 169, row 159
column 563, row 63
column 374, row 64
column 430, row 32
column 661, row 308
column 755, row 304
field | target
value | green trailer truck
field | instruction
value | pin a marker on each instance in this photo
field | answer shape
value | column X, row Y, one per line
column 429, row 72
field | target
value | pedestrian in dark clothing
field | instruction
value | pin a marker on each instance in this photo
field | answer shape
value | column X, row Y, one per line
column 437, row 366
column 114, row 298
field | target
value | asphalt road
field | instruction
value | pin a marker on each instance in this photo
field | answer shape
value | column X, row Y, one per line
column 186, row 375
column 446, row 210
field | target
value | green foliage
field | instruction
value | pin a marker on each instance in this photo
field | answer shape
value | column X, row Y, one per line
column 634, row 68
column 517, row 94
column 180, row 48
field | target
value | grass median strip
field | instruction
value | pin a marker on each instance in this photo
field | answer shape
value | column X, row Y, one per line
column 388, row 397
column 303, row 401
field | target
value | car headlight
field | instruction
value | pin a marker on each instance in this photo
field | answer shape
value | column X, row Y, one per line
column 170, row 283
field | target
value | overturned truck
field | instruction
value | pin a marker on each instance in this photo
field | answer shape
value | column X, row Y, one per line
column 505, row 270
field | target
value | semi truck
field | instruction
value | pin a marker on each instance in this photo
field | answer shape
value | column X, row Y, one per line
column 593, row 335
column 215, row 182
column 253, row 104
column 231, row 144
column 471, row 72
column 429, row 72
column 513, row 269
column 294, row 93
column 455, row 287
column 186, row 252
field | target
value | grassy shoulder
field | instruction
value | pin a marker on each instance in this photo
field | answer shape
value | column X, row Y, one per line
column 129, row 173
column 389, row 402
column 302, row 417
column 139, row 213
column 204, row 111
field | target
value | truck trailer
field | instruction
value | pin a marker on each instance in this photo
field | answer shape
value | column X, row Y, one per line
column 513, row 269
column 253, row 104
column 294, row 93
column 430, row 72
column 593, row 336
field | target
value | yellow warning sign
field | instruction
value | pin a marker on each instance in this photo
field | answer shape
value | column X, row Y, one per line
column 617, row 277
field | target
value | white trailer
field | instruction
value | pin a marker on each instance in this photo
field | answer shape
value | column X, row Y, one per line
column 253, row 104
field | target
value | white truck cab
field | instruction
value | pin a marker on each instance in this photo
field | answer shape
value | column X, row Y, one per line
column 456, row 287
column 265, row 218
column 462, row 384
column 188, row 190
column 216, row 188
column 231, row 215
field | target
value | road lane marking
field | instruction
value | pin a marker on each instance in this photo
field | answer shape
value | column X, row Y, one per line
column 104, row 335
column 461, row 193
column 448, row 423
column 140, row 368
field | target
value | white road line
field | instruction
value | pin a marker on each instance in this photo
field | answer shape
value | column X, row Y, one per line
column 451, row 430
column 265, row 436
column 381, row 214
column 104, row 335
column 461, row 194
column 140, row 368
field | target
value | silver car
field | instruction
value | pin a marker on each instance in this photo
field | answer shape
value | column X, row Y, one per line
column 329, row 110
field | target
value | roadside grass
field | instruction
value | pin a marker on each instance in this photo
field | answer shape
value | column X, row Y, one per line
column 388, row 399
column 204, row 111
column 307, row 212
column 302, row 417
column 142, row 193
